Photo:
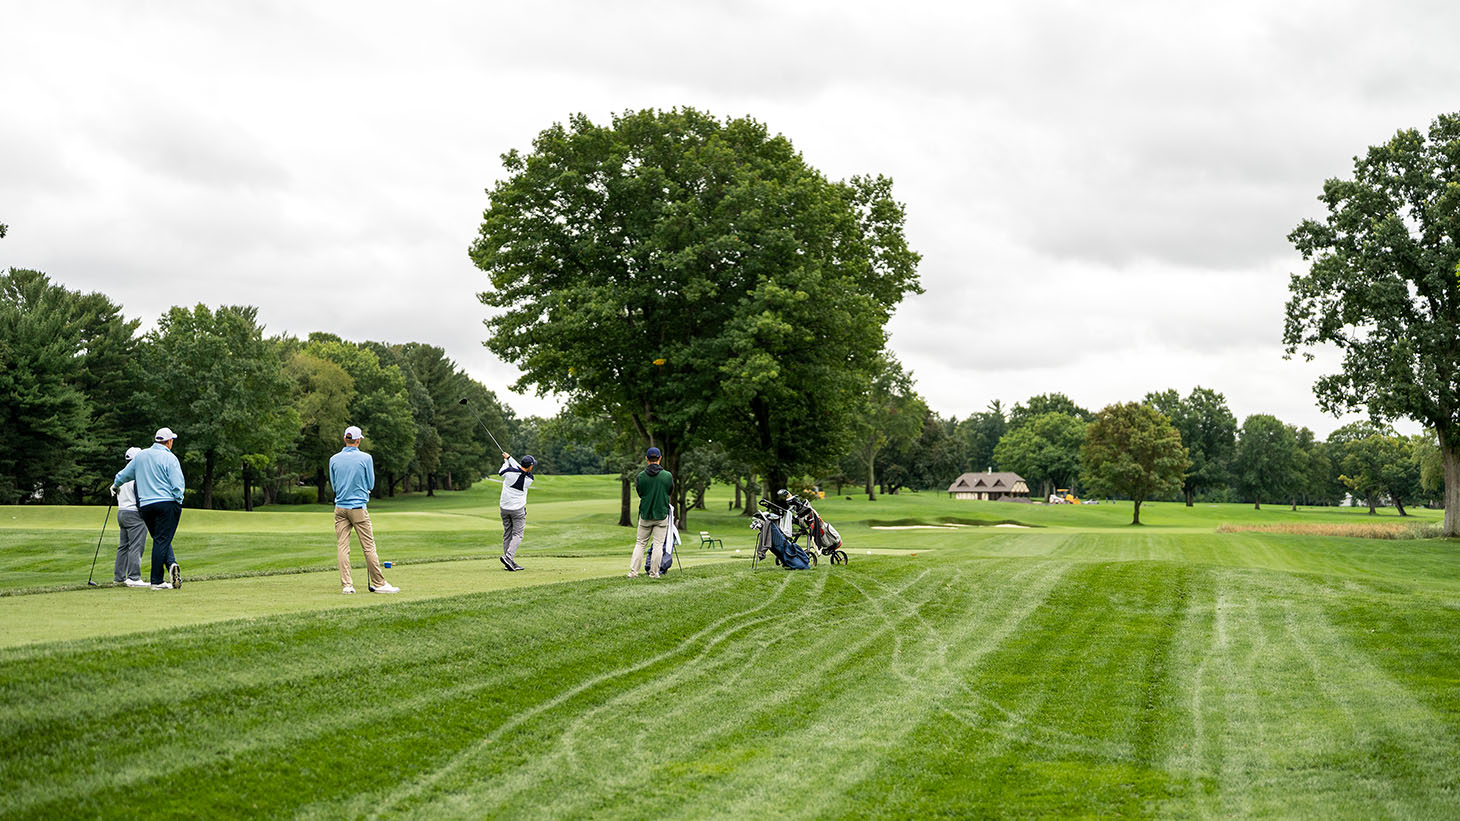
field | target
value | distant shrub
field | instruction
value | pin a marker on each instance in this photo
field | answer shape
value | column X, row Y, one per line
column 223, row 499
column 1354, row 530
column 296, row 496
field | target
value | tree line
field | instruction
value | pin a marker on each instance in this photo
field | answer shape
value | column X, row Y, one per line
column 258, row 416
column 900, row 444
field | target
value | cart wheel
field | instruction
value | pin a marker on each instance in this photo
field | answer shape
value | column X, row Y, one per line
column 838, row 557
column 813, row 559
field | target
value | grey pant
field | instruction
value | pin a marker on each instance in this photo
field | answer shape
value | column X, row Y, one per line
column 513, row 523
column 129, row 549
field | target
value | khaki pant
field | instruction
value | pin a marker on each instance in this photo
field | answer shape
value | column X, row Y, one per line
column 658, row 531
column 358, row 520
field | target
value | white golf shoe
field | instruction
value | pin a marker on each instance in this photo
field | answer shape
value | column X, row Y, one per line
column 137, row 583
column 385, row 588
column 349, row 588
column 163, row 586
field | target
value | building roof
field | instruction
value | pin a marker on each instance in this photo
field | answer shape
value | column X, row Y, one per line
column 986, row 482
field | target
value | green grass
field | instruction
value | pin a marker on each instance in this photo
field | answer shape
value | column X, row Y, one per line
column 1078, row 667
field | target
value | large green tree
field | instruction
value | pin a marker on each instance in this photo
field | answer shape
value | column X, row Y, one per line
column 67, row 375
column 1044, row 449
column 1384, row 288
column 1379, row 465
column 891, row 414
column 380, row 405
column 214, row 378
column 1208, row 430
column 1268, row 464
column 1132, row 450
column 694, row 278
column 43, row 410
column 322, row 395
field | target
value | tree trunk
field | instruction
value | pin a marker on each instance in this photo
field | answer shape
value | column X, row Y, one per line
column 390, row 483
column 319, row 498
column 1373, row 505
column 1295, row 504
column 1450, row 455
column 210, row 461
column 872, row 476
column 623, row 503
column 247, row 490
column 1399, row 506
column 1257, row 504
column 774, row 480
column 750, row 494
column 1190, row 497
column 736, row 504
column 700, row 496
column 1136, row 515
column 430, row 484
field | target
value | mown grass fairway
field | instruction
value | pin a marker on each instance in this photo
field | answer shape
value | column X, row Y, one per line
column 1078, row 667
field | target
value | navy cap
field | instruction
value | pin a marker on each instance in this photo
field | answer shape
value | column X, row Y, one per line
column 528, row 461
column 652, row 453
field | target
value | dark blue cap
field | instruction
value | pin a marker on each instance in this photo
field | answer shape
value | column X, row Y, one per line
column 653, row 453
column 528, row 461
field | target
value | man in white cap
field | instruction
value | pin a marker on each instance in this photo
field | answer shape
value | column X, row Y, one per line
column 128, row 569
column 516, row 479
column 352, row 474
column 160, row 486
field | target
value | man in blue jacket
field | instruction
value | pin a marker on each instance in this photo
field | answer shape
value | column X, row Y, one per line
column 160, row 486
column 352, row 474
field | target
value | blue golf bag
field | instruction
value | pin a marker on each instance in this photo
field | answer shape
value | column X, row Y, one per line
column 788, row 554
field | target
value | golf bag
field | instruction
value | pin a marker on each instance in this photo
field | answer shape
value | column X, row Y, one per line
column 671, row 541
column 821, row 535
column 773, row 540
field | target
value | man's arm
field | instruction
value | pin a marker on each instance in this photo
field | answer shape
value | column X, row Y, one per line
column 369, row 473
column 175, row 474
column 126, row 474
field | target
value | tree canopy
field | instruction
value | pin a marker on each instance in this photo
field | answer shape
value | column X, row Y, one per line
column 694, row 279
column 1384, row 288
column 1208, row 430
column 1044, row 449
column 1132, row 450
column 1267, row 464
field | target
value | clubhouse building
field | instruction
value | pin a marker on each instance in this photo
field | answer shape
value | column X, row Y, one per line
column 990, row 487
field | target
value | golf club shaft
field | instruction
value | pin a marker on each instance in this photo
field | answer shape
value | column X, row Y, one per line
column 483, row 426
column 98, row 542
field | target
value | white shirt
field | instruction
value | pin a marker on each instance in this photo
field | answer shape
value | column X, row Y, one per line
column 515, row 482
column 127, row 496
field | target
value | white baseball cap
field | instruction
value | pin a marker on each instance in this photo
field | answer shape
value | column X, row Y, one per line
column 353, row 433
column 132, row 452
column 164, row 434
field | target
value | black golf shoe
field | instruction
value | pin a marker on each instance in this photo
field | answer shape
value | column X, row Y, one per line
column 507, row 563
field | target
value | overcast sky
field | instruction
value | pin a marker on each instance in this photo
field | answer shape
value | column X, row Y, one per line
column 1101, row 191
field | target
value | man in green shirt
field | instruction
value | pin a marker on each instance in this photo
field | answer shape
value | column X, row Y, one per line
column 653, row 484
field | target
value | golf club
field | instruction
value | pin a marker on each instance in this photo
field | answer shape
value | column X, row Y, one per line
column 89, row 582
column 478, row 417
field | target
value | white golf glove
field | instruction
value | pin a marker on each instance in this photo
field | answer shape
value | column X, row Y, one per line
column 114, row 490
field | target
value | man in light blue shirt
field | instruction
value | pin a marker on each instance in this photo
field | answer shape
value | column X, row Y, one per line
column 352, row 474
column 159, row 489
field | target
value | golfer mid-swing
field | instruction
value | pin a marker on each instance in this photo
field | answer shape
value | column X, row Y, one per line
column 516, row 479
